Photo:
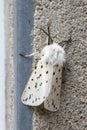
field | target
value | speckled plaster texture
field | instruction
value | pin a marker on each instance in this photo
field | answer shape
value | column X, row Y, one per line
column 68, row 19
column 9, row 64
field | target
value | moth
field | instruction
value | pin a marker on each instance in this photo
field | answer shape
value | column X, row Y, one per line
column 44, row 84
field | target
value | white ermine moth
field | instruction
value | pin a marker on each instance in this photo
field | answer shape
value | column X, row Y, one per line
column 44, row 84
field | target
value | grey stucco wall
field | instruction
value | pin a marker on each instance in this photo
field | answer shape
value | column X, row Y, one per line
column 68, row 19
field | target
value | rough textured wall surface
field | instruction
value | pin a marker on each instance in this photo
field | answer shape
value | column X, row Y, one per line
column 9, row 64
column 68, row 19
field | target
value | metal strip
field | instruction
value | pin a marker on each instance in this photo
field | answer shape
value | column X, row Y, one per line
column 23, row 25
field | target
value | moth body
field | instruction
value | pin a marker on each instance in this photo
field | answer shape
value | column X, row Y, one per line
column 53, row 54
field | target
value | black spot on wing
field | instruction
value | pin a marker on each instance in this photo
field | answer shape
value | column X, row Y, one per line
column 35, row 85
column 38, row 98
column 56, row 80
column 53, row 73
column 25, row 99
column 57, row 94
column 46, row 81
column 44, row 97
column 35, row 99
column 35, row 67
column 30, row 97
column 41, row 66
column 57, row 65
column 40, row 83
column 46, row 72
column 35, row 72
column 59, row 86
column 39, row 76
column 28, row 87
column 53, row 104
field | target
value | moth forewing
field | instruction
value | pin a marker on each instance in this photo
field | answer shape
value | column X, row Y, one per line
column 47, row 79
column 52, row 102
column 29, row 96
column 39, row 85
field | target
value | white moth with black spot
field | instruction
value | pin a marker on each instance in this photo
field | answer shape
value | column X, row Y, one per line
column 44, row 84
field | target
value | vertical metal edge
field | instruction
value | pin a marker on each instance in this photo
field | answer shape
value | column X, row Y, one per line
column 22, row 114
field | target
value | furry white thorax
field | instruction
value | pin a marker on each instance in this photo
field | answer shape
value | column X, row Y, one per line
column 53, row 54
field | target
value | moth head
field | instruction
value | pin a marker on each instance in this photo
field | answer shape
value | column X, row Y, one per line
column 53, row 54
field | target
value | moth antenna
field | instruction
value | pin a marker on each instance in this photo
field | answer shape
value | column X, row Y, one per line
column 44, row 31
column 50, row 40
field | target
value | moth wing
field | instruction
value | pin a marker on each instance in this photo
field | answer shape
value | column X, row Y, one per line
column 37, row 88
column 53, row 100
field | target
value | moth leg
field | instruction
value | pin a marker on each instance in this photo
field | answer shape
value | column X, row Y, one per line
column 64, row 46
column 28, row 56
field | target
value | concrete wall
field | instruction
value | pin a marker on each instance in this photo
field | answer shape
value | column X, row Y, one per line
column 2, row 66
column 9, row 91
column 69, row 19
